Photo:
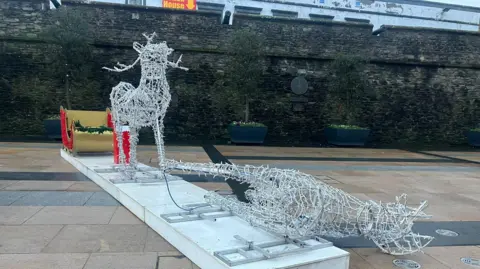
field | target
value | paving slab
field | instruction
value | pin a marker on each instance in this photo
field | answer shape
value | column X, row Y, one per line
column 179, row 262
column 6, row 183
column 39, row 185
column 99, row 238
column 16, row 215
column 450, row 256
column 8, row 197
column 143, row 260
column 102, row 199
column 26, row 239
column 124, row 216
column 357, row 262
column 379, row 260
column 84, row 186
column 73, row 215
column 53, row 198
column 43, row 261
column 156, row 243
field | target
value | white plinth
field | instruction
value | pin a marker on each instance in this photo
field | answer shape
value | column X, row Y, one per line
column 198, row 239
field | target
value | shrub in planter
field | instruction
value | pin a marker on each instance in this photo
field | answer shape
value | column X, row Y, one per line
column 240, row 86
column 345, row 99
column 53, row 127
column 247, row 132
column 473, row 137
column 346, row 135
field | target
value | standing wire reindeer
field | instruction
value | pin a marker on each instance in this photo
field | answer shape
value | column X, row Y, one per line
column 146, row 105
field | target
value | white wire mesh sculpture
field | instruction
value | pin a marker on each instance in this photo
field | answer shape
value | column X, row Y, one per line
column 296, row 204
column 282, row 201
column 147, row 104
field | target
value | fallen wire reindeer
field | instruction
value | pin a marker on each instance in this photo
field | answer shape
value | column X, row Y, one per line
column 286, row 202
column 295, row 204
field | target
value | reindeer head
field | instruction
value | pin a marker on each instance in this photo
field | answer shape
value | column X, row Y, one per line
column 153, row 52
column 156, row 53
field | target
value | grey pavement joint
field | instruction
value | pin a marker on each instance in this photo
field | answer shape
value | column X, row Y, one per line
column 102, row 199
column 124, row 216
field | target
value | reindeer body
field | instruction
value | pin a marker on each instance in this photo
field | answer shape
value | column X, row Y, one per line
column 146, row 105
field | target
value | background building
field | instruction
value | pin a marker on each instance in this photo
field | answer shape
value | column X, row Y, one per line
column 416, row 13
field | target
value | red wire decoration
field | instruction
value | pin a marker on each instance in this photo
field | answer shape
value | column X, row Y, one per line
column 125, row 146
column 67, row 143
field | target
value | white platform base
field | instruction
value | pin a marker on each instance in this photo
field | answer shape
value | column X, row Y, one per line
column 199, row 239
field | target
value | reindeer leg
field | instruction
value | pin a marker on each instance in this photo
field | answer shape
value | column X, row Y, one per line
column 133, row 149
column 158, row 130
column 119, row 134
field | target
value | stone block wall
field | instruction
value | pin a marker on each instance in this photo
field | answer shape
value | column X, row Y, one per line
column 22, row 18
column 408, row 67
column 427, row 46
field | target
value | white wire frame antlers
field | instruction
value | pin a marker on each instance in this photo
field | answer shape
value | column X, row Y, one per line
column 146, row 105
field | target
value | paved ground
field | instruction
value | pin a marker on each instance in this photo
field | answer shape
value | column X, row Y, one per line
column 70, row 223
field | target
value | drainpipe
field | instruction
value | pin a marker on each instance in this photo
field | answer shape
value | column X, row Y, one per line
column 379, row 30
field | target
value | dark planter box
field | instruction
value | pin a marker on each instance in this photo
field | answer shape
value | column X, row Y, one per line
column 53, row 129
column 346, row 137
column 473, row 138
column 247, row 134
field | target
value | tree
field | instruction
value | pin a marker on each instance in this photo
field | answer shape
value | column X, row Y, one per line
column 243, row 72
column 347, row 90
column 69, row 38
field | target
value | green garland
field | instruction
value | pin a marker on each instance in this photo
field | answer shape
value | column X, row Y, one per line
column 92, row 130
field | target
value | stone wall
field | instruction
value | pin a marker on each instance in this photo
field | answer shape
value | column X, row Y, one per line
column 425, row 65
column 22, row 18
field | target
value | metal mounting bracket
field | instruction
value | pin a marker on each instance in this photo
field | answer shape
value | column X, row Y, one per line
column 198, row 212
column 256, row 252
column 147, row 175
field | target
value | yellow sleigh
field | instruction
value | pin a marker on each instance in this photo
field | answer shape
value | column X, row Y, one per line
column 77, row 136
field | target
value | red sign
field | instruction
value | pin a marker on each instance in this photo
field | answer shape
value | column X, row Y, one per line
column 180, row 4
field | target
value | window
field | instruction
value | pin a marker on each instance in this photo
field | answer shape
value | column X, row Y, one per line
column 247, row 10
column 284, row 13
column 357, row 3
column 321, row 1
column 135, row 2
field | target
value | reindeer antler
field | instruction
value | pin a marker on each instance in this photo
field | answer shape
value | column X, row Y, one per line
column 123, row 67
column 176, row 65
column 150, row 37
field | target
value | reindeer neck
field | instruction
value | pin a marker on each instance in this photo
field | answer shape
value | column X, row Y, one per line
column 153, row 77
column 151, row 71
